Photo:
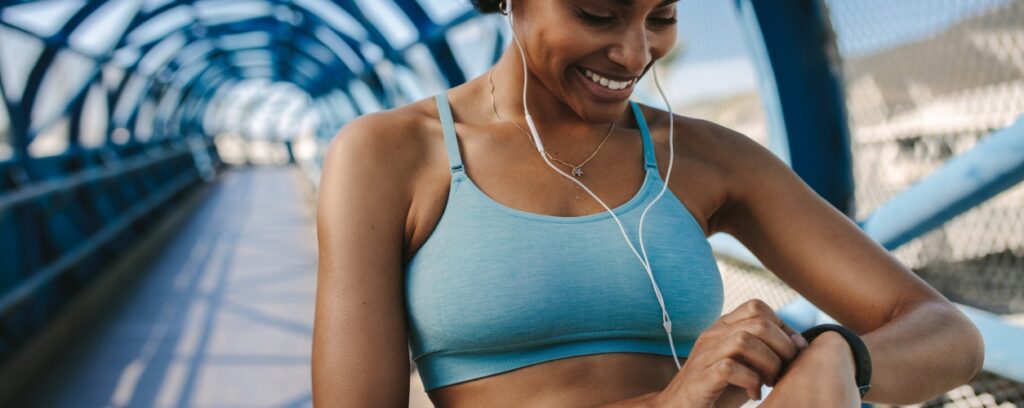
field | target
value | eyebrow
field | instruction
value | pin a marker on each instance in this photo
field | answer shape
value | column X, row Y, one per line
column 629, row 3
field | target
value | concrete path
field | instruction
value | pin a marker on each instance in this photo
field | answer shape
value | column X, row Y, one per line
column 223, row 319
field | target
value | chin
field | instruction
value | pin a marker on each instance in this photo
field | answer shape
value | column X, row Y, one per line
column 603, row 112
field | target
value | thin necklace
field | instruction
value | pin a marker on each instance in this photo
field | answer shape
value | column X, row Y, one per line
column 577, row 169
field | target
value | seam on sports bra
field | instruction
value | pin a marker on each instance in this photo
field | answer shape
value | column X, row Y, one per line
column 565, row 338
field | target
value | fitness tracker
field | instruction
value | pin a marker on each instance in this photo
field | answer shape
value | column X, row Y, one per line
column 860, row 352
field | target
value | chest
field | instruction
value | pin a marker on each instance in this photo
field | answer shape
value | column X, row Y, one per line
column 696, row 185
column 493, row 277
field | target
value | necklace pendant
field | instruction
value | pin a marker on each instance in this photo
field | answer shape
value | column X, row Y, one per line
column 577, row 172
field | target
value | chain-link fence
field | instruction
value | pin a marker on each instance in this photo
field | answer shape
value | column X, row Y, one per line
column 925, row 81
column 912, row 106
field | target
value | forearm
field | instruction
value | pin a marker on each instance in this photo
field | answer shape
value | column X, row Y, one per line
column 921, row 353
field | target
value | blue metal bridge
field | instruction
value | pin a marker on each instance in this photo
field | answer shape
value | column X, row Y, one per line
column 159, row 158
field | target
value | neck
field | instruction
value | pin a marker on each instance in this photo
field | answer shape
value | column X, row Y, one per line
column 554, row 119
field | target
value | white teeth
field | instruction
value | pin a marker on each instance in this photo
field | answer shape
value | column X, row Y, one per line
column 605, row 82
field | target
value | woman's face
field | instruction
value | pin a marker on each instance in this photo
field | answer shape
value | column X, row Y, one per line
column 590, row 53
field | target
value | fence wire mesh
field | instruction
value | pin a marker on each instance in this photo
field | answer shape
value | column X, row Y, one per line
column 926, row 80
column 915, row 104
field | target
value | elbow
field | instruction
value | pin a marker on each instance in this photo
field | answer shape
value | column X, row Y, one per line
column 958, row 353
column 970, row 345
column 976, row 350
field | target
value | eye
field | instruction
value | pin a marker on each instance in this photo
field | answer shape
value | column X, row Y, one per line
column 663, row 22
column 594, row 18
column 664, row 19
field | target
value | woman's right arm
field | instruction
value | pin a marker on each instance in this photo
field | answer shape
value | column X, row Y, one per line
column 360, row 355
column 743, row 350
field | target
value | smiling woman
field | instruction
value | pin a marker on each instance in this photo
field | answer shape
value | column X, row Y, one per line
column 469, row 246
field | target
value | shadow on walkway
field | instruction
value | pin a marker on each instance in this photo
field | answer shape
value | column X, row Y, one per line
column 223, row 318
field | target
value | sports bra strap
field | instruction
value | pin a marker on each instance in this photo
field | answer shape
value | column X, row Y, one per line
column 451, row 142
column 649, row 161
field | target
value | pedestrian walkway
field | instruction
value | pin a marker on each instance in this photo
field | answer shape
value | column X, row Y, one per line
column 223, row 319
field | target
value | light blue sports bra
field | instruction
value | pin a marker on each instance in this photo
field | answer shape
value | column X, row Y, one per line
column 494, row 288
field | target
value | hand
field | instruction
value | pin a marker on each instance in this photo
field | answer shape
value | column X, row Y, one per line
column 821, row 376
column 746, row 348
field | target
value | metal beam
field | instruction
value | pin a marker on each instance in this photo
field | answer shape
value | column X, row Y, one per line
column 797, row 48
column 995, row 165
column 967, row 180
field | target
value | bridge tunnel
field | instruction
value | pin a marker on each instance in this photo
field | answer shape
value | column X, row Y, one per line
column 160, row 159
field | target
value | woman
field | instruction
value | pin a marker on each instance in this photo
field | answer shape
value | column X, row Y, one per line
column 441, row 227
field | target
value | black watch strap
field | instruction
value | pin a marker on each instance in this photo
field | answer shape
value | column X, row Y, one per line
column 860, row 352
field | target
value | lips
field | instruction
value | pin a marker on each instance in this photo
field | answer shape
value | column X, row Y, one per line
column 606, row 87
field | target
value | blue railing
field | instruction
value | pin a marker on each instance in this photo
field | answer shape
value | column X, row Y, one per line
column 63, row 219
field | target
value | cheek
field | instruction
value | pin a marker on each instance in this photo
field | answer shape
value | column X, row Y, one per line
column 662, row 44
column 556, row 50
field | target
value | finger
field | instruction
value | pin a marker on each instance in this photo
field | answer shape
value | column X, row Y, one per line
column 750, row 309
column 798, row 339
column 785, row 327
column 771, row 335
column 729, row 371
column 757, row 309
column 749, row 349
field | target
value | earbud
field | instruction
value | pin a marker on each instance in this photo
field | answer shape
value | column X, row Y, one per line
column 666, row 321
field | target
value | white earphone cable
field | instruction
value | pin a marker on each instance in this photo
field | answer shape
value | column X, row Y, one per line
column 666, row 320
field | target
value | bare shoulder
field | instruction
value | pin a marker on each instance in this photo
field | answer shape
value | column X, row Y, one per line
column 395, row 159
column 713, row 143
column 394, row 139
column 723, row 159
column 398, row 147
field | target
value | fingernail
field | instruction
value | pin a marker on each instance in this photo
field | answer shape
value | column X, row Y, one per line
column 799, row 340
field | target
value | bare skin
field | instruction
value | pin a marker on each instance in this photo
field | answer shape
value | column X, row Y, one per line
column 385, row 185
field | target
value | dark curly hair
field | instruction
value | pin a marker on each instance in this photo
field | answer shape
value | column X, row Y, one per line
column 487, row 6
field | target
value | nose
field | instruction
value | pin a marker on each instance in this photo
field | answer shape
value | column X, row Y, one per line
column 632, row 51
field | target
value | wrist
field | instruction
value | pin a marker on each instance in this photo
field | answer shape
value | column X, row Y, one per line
column 857, row 351
column 832, row 347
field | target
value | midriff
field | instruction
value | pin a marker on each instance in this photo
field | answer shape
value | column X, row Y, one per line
column 583, row 381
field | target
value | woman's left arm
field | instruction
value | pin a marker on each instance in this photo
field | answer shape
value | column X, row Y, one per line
column 920, row 344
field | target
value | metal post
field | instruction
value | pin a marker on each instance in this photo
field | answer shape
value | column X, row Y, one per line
column 794, row 49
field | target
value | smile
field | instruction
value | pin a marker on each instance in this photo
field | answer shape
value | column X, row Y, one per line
column 606, row 82
column 605, row 88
